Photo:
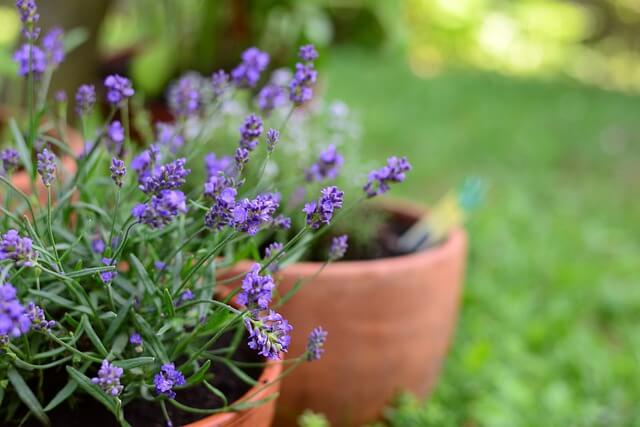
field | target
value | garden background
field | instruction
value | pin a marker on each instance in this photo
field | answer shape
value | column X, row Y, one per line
column 539, row 98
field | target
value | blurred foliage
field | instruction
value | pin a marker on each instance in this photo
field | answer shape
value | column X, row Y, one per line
column 548, row 329
column 312, row 419
column 592, row 41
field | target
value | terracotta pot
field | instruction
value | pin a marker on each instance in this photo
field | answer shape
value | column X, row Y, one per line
column 389, row 320
column 259, row 416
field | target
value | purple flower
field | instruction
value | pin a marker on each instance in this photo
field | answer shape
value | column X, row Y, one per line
column 168, row 136
column 224, row 200
column 184, row 297
column 18, row 249
column 97, row 245
column 144, row 161
column 308, row 53
column 109, row 378
column 159, row 265
column 301, row 86
column 215, row 164
column 379, row 180
column 282, row 222
column 30, row 59
column 249, row 215
column 326, row 167
column 168, row 378
column 10, row 160
column 118, row 171
column 136, row 341
column 268, row 333
column 13, row 318
column 315, row 343
column 220, row 186
column 108, row 276
column 53, row 47
column 85, row 98
column 339, row 246
column 250, row 132
column 241, row 158
column 162, row 208
column 118, row 89
column 271, row 97
column 185, row 97
column 273, row 250
column 256, row 289
column 170, row 176
column 29, row 16
column 248, row 72
column 60, row 96
column 114, row 138
column 219, row 83
column 37, row 318
column 321, row 211
column 46, row 166
column 273, row 136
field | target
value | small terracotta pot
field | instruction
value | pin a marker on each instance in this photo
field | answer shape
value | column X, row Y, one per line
column 389, row 321
column 258, row 416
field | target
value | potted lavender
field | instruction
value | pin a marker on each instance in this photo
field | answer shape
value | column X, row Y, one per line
column 111, row 305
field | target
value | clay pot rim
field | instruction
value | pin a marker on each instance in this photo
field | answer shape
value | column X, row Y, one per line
column 270, row 372
column 399, row 207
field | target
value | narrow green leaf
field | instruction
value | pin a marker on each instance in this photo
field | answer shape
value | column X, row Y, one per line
column 61, row 301
column 89, row 271
column 239, row 372
column 62, row 395
column 27, row 396
column 91, row 333
column 143, row 275
column 217, row 392
column 151, row 339
column 85, row 383
column 117, row 323
column 168, row 303
column 21, row 146
column 135, row 362
column 199, row 375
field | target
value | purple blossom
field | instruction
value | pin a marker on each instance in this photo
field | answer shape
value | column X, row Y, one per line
column 13, row 318
column 249, row 215
column 109, row 378
column 273, row 250
column 271, row 97
column 162, row 208
column 273, row 136
column 248, row 72
column 184, row 297
column 10, row 160
column 268, row 333
column 301, row 86
column 219, row 83
column 30, row 59
column 220, row 186
column 169, row 176
column 85, row 98
column 29, row 16
column 321, row 211
column 60, row 96
column 136, row 341
column 118, row 89
column 144, row 162
column 53, row 47
column 241, row 158
column 159, row 265
column 339, row 246
column 114, row 138
column 282, row 222
column 118, row 171
column 327, row 166
column 379, row 180
column 37, row 318
column 185, row 97
column 18, row 249
column 168, row 378
column 97, row 245
column 250, row 131
column 256, row 289
column 169, row 136
column 224, row 200
column 46, row 166
column 315, row 343
column 215, row 164
column 308, row 53
column 108, row 276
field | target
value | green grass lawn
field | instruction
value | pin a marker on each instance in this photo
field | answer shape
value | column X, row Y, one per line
column 549, row 329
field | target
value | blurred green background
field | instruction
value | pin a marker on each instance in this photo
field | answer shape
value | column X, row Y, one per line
column 538, row 97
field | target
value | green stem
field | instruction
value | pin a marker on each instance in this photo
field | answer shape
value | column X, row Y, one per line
column 50, row 229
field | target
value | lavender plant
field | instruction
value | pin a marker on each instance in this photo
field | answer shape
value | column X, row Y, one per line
column 112, row 281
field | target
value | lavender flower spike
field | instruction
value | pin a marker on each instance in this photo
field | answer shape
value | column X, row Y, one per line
column 118, row 89
column 254, row 62
column 321, row 211
column 326, row 167
column 136, row 341
column 268, row 333
column 29, row 16
column 109, row 378
column 379, row 180
column 168, row 378
column 13, row 320
column 315, row 343
column 37, row 318
column 273, row 136
column 30, row 59
column 9, row 159
column 250, row 132
column 338, row 247
column 256, row 289
column 308, row 53
column 46, row 166
column 18, row 249
column 85, row 98
column 162, row 208
column 118, row 171
column 53, row 47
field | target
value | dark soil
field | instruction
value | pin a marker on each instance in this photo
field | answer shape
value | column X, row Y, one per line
column 84, row 411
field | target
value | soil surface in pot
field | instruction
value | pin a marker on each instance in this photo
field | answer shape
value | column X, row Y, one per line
column 84, row 411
